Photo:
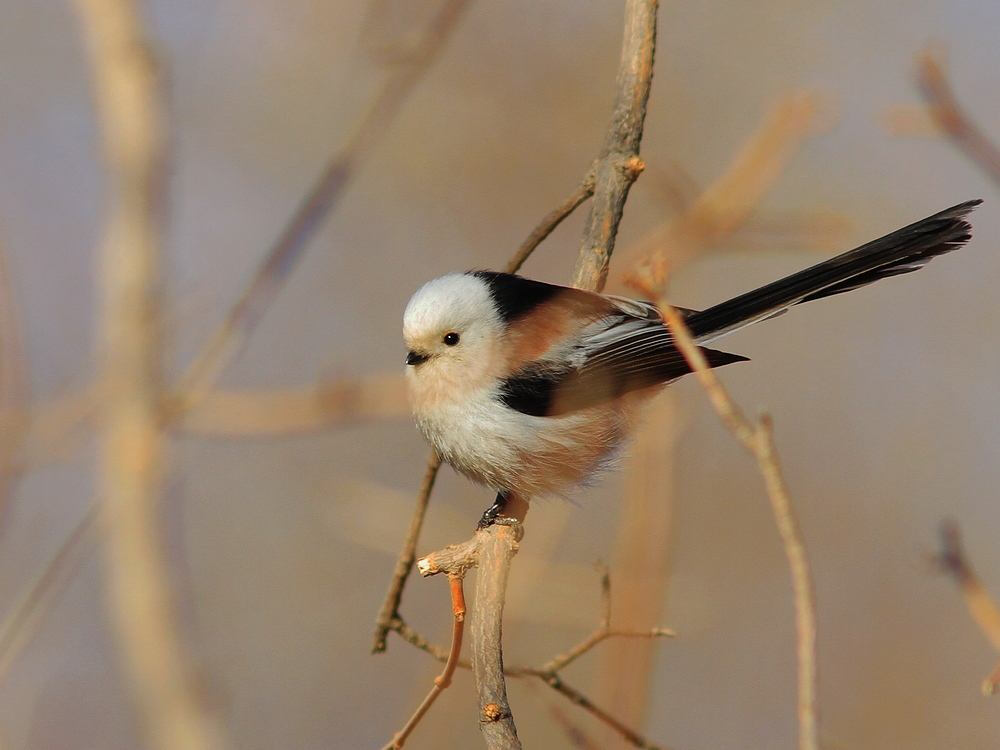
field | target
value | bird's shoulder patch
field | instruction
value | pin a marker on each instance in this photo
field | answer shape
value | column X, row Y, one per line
column 516, row 296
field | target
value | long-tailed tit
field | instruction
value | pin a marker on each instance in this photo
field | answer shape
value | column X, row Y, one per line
column 531, row 388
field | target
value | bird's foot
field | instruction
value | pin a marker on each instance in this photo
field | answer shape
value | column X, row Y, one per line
column 492, row 515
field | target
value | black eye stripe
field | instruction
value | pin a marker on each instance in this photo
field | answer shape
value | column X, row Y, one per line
column 450, row 338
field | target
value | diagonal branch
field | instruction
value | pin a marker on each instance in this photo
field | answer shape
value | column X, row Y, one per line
column 951, row 116
column 443, row 680
column 982, row 607
column 758, row 440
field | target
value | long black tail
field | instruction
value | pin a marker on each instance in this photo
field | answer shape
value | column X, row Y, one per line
column 905, row 250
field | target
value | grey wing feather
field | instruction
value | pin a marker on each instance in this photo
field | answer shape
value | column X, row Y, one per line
column 626, row 351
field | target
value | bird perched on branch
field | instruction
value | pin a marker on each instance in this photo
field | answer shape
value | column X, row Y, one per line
column 531, row 388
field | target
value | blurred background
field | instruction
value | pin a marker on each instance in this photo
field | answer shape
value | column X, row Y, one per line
column 805, row 127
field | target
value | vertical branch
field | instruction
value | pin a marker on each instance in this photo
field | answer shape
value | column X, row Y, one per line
column 133, row 451
column 618, row 164
column 486, row 631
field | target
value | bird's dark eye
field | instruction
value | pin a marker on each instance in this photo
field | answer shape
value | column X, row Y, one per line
column 451, row 338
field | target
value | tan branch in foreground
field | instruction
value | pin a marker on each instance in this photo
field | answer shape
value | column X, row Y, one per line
column 133, row 459
column 982, row 607
column 758, row 439
column 443, row 680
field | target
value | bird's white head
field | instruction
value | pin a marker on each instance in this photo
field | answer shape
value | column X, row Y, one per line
column 453, row 334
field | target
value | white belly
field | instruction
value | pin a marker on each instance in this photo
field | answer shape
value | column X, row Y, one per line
column 511, row 451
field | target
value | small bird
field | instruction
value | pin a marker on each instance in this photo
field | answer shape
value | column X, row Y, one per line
column 532, row 388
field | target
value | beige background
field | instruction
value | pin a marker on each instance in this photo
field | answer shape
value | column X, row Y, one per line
column 885, row 401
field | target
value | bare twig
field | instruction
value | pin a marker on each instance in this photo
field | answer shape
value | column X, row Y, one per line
column 443, row 680
column 758, row 440
column 618, row 164
column 133, row 452
column 952, row 118
column 228, row 340
column 404, row 563
column 459, row 558
column 982, row 607
column 549, row 222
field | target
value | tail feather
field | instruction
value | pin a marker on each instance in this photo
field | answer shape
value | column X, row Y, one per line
column 903, row 251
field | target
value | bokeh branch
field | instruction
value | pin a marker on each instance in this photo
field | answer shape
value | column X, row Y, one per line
column 133, row 453
column 983, row 609
column 758, row 439
column 951, row 116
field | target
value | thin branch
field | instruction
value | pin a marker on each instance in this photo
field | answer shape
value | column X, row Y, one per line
column 133, row 461
column 618, row 164
column 457, row 559
column 951, row 116
column 229, row 339
column 549, row 222
column 982, row 607
column 404, row 563
column 577, row 698
column 21, row 623
column 758, row 440
column 443, row 680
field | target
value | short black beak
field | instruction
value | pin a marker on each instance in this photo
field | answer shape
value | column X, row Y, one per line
column 416, row 358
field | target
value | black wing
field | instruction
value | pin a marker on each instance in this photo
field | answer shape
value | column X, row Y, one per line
column 617, row 356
